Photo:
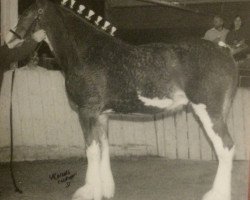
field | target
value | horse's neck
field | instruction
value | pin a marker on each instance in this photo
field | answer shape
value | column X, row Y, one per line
column 64, row 49
column 72, row 48
column 89, row 36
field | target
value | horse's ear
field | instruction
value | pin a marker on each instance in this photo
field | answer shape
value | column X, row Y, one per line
column 41, row 3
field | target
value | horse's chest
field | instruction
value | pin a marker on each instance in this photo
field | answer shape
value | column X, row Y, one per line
column 86, row 87
column 73, row 82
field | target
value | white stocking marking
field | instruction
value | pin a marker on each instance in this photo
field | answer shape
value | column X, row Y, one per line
column 108, row 185
column 221, row 189
column 92, row 188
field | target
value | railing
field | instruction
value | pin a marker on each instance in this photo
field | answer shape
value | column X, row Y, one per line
column 45, row 126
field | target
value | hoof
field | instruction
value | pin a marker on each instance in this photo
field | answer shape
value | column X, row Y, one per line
column 87, row 192
column 216, row 195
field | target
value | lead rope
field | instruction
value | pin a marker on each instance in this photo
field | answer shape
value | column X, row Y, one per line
column 17, row 189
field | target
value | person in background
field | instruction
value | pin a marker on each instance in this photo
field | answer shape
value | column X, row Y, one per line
column 9, row 55
column 237, row 35
column 218, row 33
column 236, row 39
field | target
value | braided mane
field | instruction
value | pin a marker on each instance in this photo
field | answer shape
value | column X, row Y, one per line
column 89, row 16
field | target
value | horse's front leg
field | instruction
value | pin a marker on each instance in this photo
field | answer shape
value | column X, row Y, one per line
column 108, row 185
column 92, row 188
column 99, row 180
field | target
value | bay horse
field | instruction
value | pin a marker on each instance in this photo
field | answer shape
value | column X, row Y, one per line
column 103, row 74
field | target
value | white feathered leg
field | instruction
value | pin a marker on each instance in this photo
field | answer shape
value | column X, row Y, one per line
column 108, row 184
column 221, row 189
column 93, row 186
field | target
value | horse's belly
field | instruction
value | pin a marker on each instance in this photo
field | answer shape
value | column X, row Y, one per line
column 156, row 102
column 178, row 100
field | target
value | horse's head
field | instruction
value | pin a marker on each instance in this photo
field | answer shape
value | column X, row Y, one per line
column 30, row 21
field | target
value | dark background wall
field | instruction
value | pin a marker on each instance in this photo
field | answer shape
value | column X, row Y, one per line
column 153, row 23
column 140, row 24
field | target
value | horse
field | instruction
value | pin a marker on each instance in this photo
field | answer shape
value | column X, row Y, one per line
column 104, row 74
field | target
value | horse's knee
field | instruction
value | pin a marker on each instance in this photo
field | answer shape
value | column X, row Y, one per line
column 89, row 122
column 94, row 125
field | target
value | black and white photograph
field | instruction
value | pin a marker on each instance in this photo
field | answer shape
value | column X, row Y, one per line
column 125, row 100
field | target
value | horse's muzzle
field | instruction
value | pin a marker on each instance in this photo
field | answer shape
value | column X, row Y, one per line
column 13, row 39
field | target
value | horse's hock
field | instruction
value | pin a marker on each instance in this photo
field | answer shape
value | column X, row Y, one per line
column 45, row 126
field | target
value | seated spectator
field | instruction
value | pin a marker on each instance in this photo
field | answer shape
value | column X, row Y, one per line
column 218, row 33
column 236, row 38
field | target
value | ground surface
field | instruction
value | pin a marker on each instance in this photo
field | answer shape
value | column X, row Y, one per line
column 137, row 179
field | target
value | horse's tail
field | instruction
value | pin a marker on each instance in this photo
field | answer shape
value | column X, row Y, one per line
column 231, row 90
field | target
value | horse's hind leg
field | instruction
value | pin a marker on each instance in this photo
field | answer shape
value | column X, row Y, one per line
column 217, row 131
column 99, row 180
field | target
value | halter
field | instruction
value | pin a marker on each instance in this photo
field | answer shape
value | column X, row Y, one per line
column 32, row 27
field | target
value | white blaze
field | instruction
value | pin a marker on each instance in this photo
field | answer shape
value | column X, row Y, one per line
column 49, row 43
column 11, row 40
